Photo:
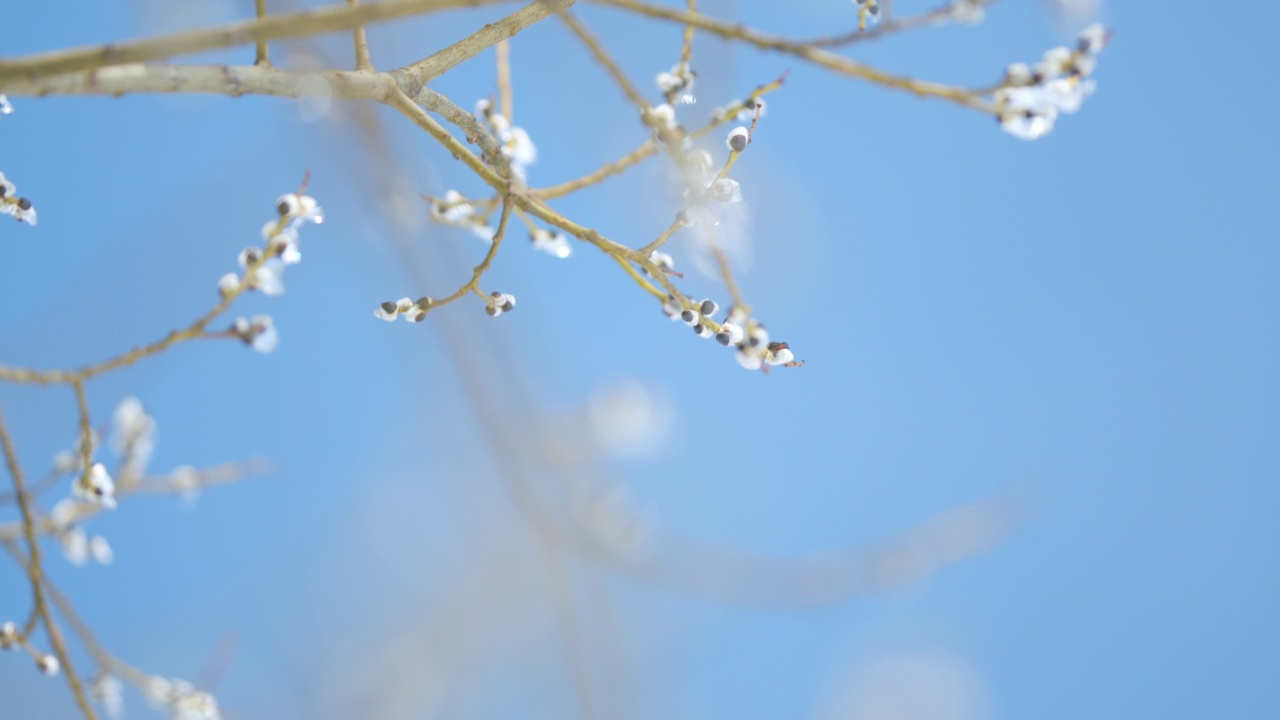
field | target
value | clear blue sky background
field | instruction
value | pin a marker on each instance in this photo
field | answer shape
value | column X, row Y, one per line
column 1091, row 319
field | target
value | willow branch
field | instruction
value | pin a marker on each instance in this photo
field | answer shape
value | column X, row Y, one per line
column 817, row 56
column 260, row 56
column 437, row 64
column 35, row 572
column 300, row 24
column 362, row 44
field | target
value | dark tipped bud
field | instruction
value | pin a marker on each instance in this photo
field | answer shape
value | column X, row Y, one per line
column 723, row 338
column 687, row 316
column 287, row 205
column 424, row 303
column 24, row 203
column 708, row 307
column 388, row 307
column 737, row 142
column 491, row 310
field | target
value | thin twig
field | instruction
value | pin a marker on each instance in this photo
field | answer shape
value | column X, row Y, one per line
column 817, row 56
column 473, row 285
column 602, row 56
column 890, row 27
column 362, row 45
column 433, row 66
column 195, row 330
column 260, row 56
column 35, row 572
column 505, row 101
column 334, row 18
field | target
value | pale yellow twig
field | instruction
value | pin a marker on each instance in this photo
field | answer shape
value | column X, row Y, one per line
column 35, row 572
column 817, row 56
column 260, row 56
column 300, row 24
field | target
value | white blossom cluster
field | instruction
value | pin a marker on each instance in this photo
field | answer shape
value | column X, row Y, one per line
column 708, row 196
column 264, row 267
column 109, row 692
column 555, row 244
column 454, row 210
column 737, row 330
column 667, row 131
column 19, row 208
column 1033, row 96
column 258, row 332
column 499, row 303
column 678, row 81
column 78, row 547
column 517, row 146
column 181, row 700
column 5, row 106
column 413, row 311
column 133, row 437
column 11, row 638
column 96, row 486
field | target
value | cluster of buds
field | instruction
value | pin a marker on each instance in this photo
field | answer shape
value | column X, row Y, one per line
column 96, row 486
column 678, row 81
column 454, row 210
column 708, row 195
column 500, row 302
column 666, row 129
column 868, row 12
column 182, row 700
column 1032, row 97
column 264, row 267
column 258, row 332
column 412, row 310
column 10, row 638
column 78, row 547
column 664, row 261
column 517, row 147
column 109, row 692
column 738, row 330
column 555, row 244
column 133, row 437
column 11, row 204
column 742, row 111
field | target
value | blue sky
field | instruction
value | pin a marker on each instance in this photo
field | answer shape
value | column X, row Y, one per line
column 1087, row 322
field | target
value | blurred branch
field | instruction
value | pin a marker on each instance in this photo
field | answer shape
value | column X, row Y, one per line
column 260, row 56
column 275, row 27
column 181, row 481
column 35, row 572
column 730, row 576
